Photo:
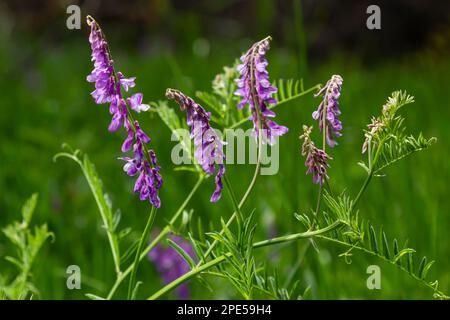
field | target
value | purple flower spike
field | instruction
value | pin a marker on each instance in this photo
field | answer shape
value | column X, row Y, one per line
column 316, row 159
column 171, row 265
column 208, row 146
column 256, row 91
column 328, row 111
column 108, row 88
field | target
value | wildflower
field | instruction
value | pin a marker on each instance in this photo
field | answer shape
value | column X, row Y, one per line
column 328, row 111
column 108, row 89
column 171, row 265
column 316, row 159
column 208, row 146
column 256, row 91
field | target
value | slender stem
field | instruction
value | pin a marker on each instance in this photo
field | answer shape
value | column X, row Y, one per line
column 237, row 209
column 369, row 175
column 121, row 276
column 361, row 191
column 198, row 269
column 144, row 236
column 324, row 146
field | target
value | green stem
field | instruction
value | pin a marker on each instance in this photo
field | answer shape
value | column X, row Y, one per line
column 237, row 209
column 122, row 276
column 198, row 269
column 145, row 234
column 369, row 175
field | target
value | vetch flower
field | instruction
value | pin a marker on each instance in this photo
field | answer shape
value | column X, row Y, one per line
column 256, row 91
column 316, row 159
column 208, row 146
column 328, row 111
column 171, row 265
column 149, row 180
column 108, row 89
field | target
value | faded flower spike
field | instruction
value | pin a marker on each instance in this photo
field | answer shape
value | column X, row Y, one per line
column 171, row 265
column 328, row 111
column 375, row 126
column 208, row 146
column 316, row 159
column 256, row 91
column 108, row 89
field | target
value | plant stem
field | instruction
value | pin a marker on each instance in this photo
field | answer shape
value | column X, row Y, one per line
column 144, row 236
column 246, row 194
column 198, row 269
column 121, row 276
column 369, row 175
column 237, row 209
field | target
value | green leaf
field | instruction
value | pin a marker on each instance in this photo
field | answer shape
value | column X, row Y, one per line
column 28, row 208
column 384, row 240
column 422, row 265
column 212, row 102
column 373, row 240
column 397, row 149
column 182, row 253
column 402, row 253
column 426, row 269
column 93, row 297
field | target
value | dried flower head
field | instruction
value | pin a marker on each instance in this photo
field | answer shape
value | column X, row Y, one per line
column 108, row 89
column 256, row 91
column 375, row 126
column 208, row 146
column 316, row 159
column 328, row 111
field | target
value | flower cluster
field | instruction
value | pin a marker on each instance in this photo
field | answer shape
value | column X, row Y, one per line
column 171, row 265
column 108, row 89
column 328, row 111
column 316, row 159
column 208, row 146
column 256, row 91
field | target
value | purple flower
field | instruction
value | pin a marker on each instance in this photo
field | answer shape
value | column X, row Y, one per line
column 328, row 111
column 256, row 91
column 171, row 265
column 316, row 159
column 208, row 146
column 149, row 180
column 108, row 89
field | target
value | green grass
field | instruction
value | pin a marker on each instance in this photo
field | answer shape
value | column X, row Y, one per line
column 45, row 101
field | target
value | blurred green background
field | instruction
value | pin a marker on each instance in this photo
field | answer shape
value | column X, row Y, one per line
column 45, row 102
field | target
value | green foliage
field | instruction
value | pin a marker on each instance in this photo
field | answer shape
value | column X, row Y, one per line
column 222, row 100
column 379, row 246
column 386, row 141
column 288, row 89
column 28, row 243
column 241, row 260
column 110, row 220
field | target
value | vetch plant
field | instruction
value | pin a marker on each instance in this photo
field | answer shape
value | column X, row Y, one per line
column 184, row 253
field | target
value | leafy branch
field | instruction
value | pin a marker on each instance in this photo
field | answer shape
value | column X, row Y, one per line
column 28, row 243
column 110, row 220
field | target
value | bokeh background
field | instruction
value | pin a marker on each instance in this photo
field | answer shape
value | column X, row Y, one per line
column 45, row 102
